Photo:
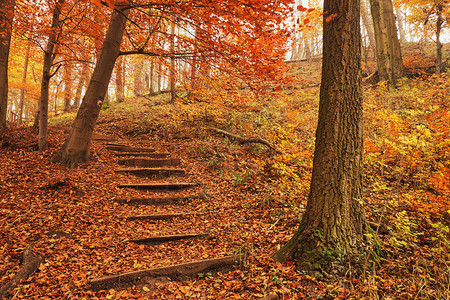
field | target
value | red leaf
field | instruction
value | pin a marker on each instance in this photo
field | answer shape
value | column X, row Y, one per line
column 301, row 8
column 110, row 3
column 97, row 2
column 329, row 18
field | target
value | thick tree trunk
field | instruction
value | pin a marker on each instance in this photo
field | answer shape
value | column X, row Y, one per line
column 120, row 89
column 76, row 148
column 6, row 18
column 389, row 56
column 330, row 238
column 45, row 82
column 24, row 82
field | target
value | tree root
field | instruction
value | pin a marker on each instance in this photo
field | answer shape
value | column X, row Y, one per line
column 29, row 266
column 244, row 140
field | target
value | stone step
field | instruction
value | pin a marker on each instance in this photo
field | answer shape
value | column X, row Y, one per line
column 164, row 186
column 174, row 272
column 152, row 172
column 167, row 238
column 148, row 162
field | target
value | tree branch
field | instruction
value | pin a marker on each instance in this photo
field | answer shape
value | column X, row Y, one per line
column 29, row 266
column 244, row 140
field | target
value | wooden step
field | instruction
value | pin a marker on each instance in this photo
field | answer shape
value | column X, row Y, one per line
column 102, row 137
column 124, row 148
column 155, row 201
column 148, row 162
column 167, row 186
column 167, row 238
column 116, row 144
column 152, row 172
column 175, row 272
column 143, row 154
column 162, row 216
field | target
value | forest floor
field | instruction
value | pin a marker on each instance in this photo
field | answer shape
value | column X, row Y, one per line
column 249, row 199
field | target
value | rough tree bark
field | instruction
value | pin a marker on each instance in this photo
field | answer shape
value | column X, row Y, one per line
column 6, row 18
column 389, row 56
column 76, row 148
column 330, row 238
column 45, row 82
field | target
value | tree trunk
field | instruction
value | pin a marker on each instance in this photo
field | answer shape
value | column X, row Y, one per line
column 367, row 23
column 330, row 238
column 120, row 89
column 24, row 82
column 45, row 82
column 67, row 88
column 307, row 48
column 173, row 91
column 439, row 23
column 76, row 148
column 138, row 82
column 400, row 22
column 389, row 56
column 6, row 19
column 81, row 82
column 152, row 70
column 194, row 65
column 159, row 75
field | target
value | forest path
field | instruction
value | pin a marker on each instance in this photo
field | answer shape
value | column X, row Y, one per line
column 156, row 175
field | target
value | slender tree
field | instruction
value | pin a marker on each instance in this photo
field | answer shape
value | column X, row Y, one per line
column 24, row 82
column 6, row 18
column 439, row 22
column 67, row 87
column 120, row 85
column 76, row 148
column 172, row 74
column 401, row 26
column 81, row 83
column 331, row 236
column 46, row 76
column 367, row 23
column 389, row 55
